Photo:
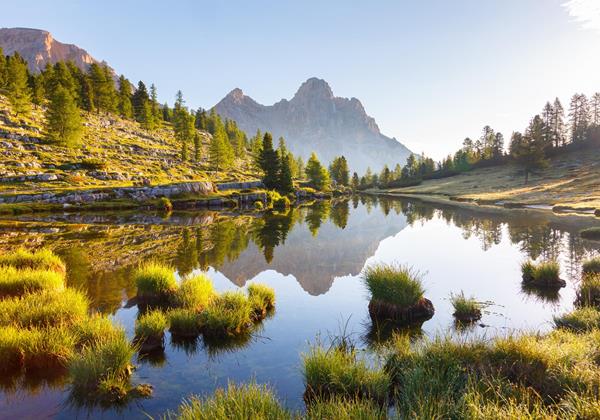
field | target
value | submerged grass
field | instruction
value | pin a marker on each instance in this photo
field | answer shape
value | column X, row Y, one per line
column 394, row 284
column 543, row 274
column 591, row 266
column 14, row 282
column 195, row 292
column 155, row 281
column 43, row 259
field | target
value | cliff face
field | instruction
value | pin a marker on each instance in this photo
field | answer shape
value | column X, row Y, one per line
column 316, row 120
column 39, row 48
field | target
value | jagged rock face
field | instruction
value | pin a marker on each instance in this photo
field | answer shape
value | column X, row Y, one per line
column 39, row 48
column 316, row 120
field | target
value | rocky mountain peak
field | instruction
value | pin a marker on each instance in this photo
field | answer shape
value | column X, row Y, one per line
column 38, row 48
column 314, row 88
column 236, row 96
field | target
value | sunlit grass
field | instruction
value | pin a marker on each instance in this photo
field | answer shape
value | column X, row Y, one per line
column 345, row 409
column 44, row 259
column 394, row 284
column 95, row 329
column 184, row 322
column 465, row 307
column 588, row 293
column 155, row 281
column 228, row 313
column 582, row 319
column 195, row 292
column 544, row 274
column 591, row 266
column 151, row 325
column 14, row 282
column 262, row 298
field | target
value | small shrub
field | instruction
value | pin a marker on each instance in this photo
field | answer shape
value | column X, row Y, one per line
column 15, row 282
column 93, row 164
column 46, row 308
column 338, row 373
column 262, row 298
column 465, row 309
column 394, row 284
column 592, row 233
column 195, row 292
column 236, row 402
column 151, row 326
column 580, row 320
column 543, row 274
column 96, row 369
column 589, row 291
column 184, row 322
column 44, row 259
column 155, row 281
column 591, row 266
column 229, row 313
column 164, row 204
column 282, row 203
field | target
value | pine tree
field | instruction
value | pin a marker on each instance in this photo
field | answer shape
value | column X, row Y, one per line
column 63, row 121
column 595, row 109
column 285, row 185
column 579, row 117
column 3, row 71
column 17, row 88
column 300, row 167
column 317, row 175
column 339, row 171
column 139, row 102
column 86, row 97
column 36, row 85
column 197, row 147
column 103, row 88
column 529, row 149
column 269, row 162
column 167, row 113
column 124, row 107
column 156, row 114
column 355, row 182
column 220, row 150
column 61, row 76
column 558, row 124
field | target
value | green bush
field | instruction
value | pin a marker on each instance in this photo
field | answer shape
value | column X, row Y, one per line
column 591, row 266
column 236, row 402
column 15, row 282
column 394, row 284
column 543, row 274
column 155, row 281
column 195, row 292
column 229, row 313
column 43, row 259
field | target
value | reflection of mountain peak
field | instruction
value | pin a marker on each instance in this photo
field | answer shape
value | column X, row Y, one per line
column 316, row 261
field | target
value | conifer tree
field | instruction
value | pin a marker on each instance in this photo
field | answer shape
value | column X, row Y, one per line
column 125, row 106
column 103, row 88
column 339, row 171
column 17, row 88
column 36, row 85
column 317, row 175
column 269, row 162
column 355, row 182
column 156, row 114
column 167, row 113
column 300, row 167
column 3, row 71
column 197, row 147
column 139, row 101
column 86, row 99
column 285, row 185
column 220, row 150
column 63, row 121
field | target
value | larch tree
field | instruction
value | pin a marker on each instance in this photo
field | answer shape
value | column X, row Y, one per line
column 317, row 175
column 17, row 88
column 124, row 107
column 63, row 120
column 221, row 153
column 269, row 162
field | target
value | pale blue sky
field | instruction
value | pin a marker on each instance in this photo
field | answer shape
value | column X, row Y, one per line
column 429, row 72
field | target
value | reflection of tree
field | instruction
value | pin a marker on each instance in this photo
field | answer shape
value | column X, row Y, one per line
column 271, row 231
column 316, row 215
column 339, row 213
column 187, row 254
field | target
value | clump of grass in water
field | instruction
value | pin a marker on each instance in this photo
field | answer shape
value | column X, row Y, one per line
column 579, row 320
column 94, row 329
column 43, row 259
column 345, row 409
column 592, row 233
column 338, row 372
column 184, row 322
column 195, row 292
column 14, row 282
column 45, row 308
column 589, row 291
column 394, row 284
column 262, row 299
column 591, row 266
column 229, row 313
column 249, row 401
column 150, row 330
column 155, row 281
column 543, row 274
column 465, row 308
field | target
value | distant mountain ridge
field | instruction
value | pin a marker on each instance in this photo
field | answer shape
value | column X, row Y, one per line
column 39, row 48
column 316, row 120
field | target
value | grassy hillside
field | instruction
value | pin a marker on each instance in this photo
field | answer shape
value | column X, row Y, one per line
column 115, row 152
column 571, row 180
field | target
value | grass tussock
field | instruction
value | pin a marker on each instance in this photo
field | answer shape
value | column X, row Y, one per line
column 151, row 325
column 228, row 314
column 155, row 281
column 195, row 292
column 543, row 274
column 46, row 308
column 394, row 284
column 338, row 372
column 43, row 259
column 465, row 308
column 579, row 320
column 236, row 402
column 588, row 293
column 591, row 266
column 94, row 329
column 345, row 409
column 15, row 282
column 592, row 233
column 262, row 299
column 184, row 322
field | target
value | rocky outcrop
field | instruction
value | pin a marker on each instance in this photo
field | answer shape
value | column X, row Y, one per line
column 39, row 48
column 316, row 120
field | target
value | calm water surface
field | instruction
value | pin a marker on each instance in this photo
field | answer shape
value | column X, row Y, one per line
column 313, row 258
